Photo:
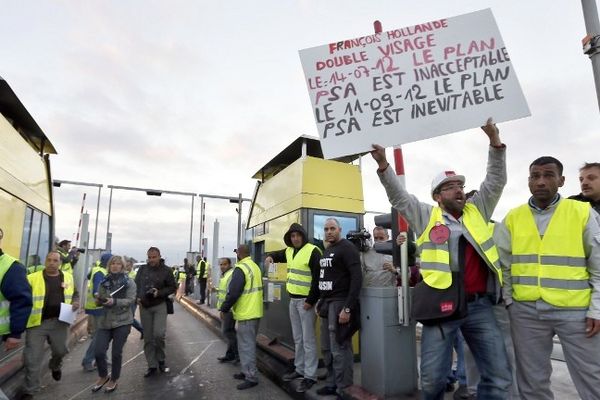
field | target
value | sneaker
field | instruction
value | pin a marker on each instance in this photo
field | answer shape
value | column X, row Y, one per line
column 150, row 372
column 163, row 367
column 327, row 391
column 240, row 376
column 246, row 385
column 26, row 396
column 449, row 387
column 291, row 376
column 56, row 375
column 461, row 393
column 89, row 368
column 304, row 385
column 225, row 359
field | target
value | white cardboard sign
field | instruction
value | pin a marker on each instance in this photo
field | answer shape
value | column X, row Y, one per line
column 412, row 83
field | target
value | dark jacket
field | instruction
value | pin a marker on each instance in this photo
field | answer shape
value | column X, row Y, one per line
column 160, row 277
column 580, row 197
column 16, row 289
column 313, row 263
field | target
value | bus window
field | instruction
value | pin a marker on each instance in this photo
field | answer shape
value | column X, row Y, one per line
column 34, row 237
column 26, row 234
column 44, row 237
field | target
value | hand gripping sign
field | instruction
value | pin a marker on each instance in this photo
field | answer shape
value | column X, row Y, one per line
column 411, row 84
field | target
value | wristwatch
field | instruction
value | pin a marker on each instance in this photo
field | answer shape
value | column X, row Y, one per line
column 347, row 310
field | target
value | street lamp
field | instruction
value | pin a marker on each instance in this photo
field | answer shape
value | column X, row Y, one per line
column 149, row 192
column 58, row 183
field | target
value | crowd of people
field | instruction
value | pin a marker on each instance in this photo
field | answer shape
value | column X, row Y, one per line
column 496, row 292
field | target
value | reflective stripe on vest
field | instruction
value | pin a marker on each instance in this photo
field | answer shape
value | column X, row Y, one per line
column 250, row 304
column 5, row 262
column 552, row 268
column 38, row 291
column 299, row 276
column 435, row 258
column 223, row 285
column 90, row 302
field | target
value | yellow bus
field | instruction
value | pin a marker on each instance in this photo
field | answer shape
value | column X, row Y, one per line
column 26, row 206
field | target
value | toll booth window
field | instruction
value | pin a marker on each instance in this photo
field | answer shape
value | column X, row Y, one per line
column 26, row 234
column 36, row 237
column 347, row 224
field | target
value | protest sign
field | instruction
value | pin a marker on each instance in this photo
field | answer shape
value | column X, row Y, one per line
column 412, row 83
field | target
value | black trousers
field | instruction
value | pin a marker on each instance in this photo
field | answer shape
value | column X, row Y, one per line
column 228, row 330
column 202, row 290
column 103, row 337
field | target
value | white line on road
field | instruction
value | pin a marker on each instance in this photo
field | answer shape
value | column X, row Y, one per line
column 183, row 371
column 90, row 386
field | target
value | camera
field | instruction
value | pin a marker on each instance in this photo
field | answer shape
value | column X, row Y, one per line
column 150, row 293
column 360, row 239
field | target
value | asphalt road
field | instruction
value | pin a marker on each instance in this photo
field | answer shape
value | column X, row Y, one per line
column 192, row 351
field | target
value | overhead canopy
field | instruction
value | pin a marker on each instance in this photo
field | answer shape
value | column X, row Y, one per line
column 13, row 110
column 294, row 152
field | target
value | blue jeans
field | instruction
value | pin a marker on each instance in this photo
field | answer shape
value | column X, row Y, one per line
column 459, row 374
column 483, row 336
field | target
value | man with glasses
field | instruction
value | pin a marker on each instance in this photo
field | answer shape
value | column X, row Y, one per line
column 458, row 253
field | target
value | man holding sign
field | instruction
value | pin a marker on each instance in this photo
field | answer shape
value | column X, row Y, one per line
column 461, row 271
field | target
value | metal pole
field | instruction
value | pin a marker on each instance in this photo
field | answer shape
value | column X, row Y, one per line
column 202, row 216
column 192, row 224
column 592, row 27
column 97, row 213
column 107, row 247
column 239, row 236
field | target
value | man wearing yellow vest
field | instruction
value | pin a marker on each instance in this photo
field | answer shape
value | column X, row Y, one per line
column 302, row 285
column 15, row 299
column 203, row 268
column 458, row 253
column 68, row 257
column 245, row 299
column 551, row 285
column 50, row 287
column 227, row 321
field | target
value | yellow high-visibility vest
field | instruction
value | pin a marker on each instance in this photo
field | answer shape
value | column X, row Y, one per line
column 65, row 267
column 5, row 262
column 250, row 304
column 299, row 276
column 435, row 258
column 90, row 302
column 38, row 292
column 552, row 268
column 223, row 285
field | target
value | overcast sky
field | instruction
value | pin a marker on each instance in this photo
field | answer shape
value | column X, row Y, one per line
column 196, row 96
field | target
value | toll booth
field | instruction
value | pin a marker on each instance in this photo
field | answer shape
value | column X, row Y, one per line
column 298, row 185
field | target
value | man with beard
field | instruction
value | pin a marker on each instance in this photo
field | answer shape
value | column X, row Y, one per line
column 459, row 255
column 589, row 179
column 551, row 286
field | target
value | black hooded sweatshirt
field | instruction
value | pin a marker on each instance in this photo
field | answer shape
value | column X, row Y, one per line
column 313, row 263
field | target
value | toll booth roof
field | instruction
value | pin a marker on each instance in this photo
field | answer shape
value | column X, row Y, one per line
column 293, row 152
column 15, row 112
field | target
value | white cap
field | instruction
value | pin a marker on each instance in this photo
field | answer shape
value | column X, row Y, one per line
column 443, row 177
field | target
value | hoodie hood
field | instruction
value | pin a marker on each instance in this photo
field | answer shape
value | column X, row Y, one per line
column 294, row 228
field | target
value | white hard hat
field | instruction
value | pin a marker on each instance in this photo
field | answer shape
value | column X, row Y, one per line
column 443, row 177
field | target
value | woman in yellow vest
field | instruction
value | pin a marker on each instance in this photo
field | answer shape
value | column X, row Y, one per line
column 116, row 295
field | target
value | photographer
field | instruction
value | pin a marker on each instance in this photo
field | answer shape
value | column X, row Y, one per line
column 68, row 256
column 378, row 269
column 116, row 294
column 155, row 283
